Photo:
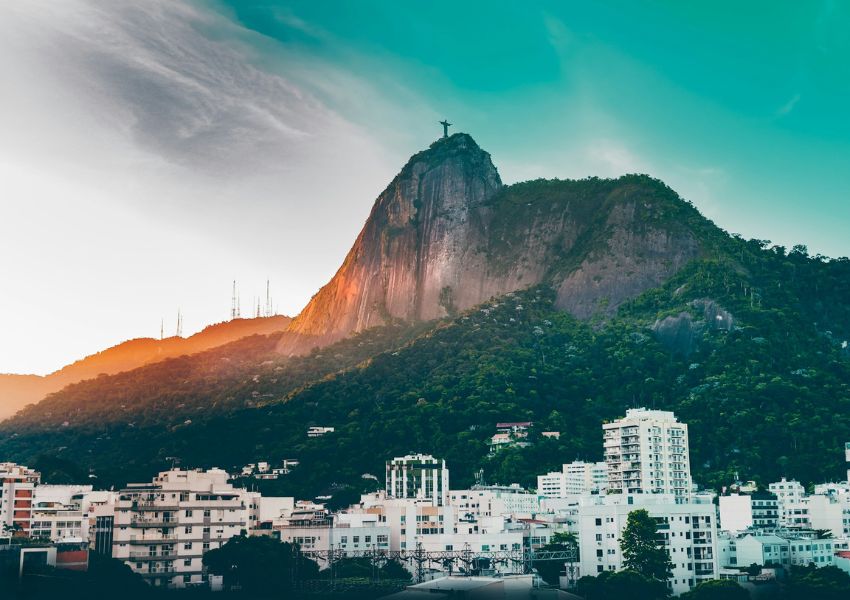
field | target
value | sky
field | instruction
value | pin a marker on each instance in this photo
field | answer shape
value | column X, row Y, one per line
column 153, row 151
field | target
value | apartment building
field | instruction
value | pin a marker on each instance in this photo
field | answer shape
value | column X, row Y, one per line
column 494, row 500
column 788, row 494
column 418, row 476
column 574, row 479
column 689, row 532
column 739, row 512
column 17, row 487
column 162, row 529
column 647, row 453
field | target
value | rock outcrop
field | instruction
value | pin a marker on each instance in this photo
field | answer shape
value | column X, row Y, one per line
column 446, row 235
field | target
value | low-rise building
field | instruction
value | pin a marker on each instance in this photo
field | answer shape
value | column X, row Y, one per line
column 763, row 550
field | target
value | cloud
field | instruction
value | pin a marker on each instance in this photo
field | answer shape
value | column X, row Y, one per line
column 786, row 108
column 150, row 154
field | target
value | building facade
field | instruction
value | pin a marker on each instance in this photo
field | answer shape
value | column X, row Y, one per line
column 418, row 476
column 17, row 488
column 646, row 452
column 688, row 530
column 163, row 529
column 574, row 479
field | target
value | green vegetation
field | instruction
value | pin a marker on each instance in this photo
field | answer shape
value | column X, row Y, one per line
column 717, row 589
column 260, row 566
column 825, row 583
column 642, row 551
column 615, row 585
column 550, row 570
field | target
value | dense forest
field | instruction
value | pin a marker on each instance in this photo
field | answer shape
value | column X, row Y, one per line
column 748, row 346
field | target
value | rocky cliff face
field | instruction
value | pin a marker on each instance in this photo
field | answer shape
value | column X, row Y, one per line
column 446, row 235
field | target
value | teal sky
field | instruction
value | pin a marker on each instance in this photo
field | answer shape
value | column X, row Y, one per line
column 153, row 152
column 741, row 107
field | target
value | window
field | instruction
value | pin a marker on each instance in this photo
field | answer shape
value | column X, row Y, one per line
column 188, row 513
column 187, row 530
column 187, row 546
column 187, row 562
column 599, row 522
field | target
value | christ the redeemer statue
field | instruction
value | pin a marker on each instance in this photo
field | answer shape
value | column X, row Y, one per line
column 446, row 126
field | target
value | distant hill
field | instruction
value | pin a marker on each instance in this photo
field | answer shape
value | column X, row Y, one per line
column 16, row 391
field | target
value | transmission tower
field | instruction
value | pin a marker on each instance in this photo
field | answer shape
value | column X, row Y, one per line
column 233, row 302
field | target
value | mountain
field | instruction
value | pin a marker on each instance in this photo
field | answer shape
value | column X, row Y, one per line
column 16, row 391
column 446, row 235
column 465, row 302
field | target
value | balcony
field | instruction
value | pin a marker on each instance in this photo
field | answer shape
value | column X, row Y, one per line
column 153, row 522
column 158, row 572
column 146, row 556
column 150, row 541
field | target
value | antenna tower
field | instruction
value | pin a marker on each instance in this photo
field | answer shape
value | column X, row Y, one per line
column 161, row 328
column 179, row 323
column 233, row 302
column 268, row 300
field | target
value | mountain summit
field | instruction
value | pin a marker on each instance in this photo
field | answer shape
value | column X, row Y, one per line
column 408, row 261
column 446, row 235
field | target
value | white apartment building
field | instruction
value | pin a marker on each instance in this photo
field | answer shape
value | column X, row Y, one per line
column 647, row 453
column 574, row 479
column 787, row 493
column 347, row 533
column 408, row 518
column 689, row 531
column 820, row 511
column 494, row 500
column 17, row 488
column 739, row 512
column 418, row 476
column 162, row 529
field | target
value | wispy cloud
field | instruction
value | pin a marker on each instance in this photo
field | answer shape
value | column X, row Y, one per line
column 149, row 156
column 789, row 106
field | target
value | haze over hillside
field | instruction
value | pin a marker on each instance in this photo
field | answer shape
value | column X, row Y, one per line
column 16, row 391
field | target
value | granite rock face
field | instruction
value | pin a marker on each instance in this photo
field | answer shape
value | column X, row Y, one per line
column 446, row 235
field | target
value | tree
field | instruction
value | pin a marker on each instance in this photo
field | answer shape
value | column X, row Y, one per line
column 717, row 589
column 261, row 565
column 393, row 569
column 825, row 583
column 550, row 570
column 611, row 585
column 642, row 551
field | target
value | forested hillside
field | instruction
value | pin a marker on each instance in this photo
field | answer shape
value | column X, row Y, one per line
column 748, row 347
